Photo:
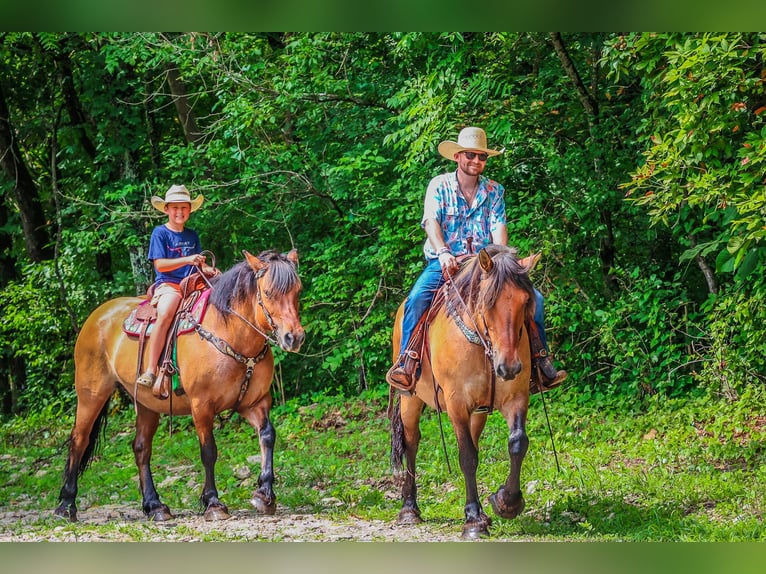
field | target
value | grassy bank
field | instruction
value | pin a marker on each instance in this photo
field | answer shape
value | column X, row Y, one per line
column 662, row 470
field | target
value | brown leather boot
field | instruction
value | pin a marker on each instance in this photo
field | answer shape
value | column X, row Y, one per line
column 546, row 365
column 536, row 386
column 402, row 375
column 542, row 364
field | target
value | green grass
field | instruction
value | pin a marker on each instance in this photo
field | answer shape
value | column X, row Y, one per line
column 661, row 470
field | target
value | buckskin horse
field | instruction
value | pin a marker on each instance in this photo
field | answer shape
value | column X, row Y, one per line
column 476, row 359
column 226, row 364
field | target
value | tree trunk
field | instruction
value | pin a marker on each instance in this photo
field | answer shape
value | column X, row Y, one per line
column 34, row 225
column 707, row 271
column 8, row 363
column 77, row 118
column 590, row 105
column 181, row 101
column 142, row 271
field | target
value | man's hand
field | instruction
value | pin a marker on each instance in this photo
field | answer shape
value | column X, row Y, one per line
column 448, row 263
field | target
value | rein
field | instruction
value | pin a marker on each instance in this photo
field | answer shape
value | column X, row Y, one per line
column 475, row 337
column 266, row 314
column 258, row 298
column 227, row 349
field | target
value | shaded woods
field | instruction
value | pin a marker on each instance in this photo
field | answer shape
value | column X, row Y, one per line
column 635, row 163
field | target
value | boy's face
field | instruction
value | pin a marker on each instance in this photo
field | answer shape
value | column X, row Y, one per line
column 178, row 213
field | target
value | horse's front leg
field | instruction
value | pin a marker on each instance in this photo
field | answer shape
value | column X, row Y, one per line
column 264, row 500
column 508, row 501
column 146, row 427
column 477, row 523
column 203, row 422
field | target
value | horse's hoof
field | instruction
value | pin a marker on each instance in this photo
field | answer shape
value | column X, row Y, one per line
column 216, row 512
column 159, row 514
column 505, row 510
column 474, row 531
column 409, row 516
column 263, row 505
column 67, row 514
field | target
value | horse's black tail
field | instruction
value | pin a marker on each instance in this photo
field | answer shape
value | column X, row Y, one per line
column 397, row 431
column 94, row 440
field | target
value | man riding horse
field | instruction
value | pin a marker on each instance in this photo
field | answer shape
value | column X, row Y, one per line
column 464, row 211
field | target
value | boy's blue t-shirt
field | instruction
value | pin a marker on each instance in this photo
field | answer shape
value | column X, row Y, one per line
column 167, row 244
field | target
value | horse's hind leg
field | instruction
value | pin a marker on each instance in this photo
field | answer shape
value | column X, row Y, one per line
column 89, row 421
column 264, row 500
column 410, row 411
column 508, row 501
column 146, row 427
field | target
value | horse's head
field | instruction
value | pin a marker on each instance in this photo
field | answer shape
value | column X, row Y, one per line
column 504, row 300
column 277, row 292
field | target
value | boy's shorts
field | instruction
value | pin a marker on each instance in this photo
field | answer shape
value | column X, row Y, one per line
column 165, row 289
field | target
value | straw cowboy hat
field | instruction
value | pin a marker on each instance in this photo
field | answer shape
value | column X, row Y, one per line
column 469, row 139
column 177, row 194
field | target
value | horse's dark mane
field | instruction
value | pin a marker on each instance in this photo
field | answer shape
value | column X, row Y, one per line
column 239, row 284
column 507, row 269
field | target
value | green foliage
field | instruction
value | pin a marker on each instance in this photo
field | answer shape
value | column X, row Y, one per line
column 325, row 142
column 735, row 357
column 706, row 123
column 646, row 339
column 35, row 327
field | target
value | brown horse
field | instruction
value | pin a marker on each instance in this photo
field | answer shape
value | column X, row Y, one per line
column 478, row 360
column 226, row 364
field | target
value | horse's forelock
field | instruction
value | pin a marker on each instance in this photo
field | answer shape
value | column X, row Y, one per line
column 506, row 269
column 282, row 274
column 239, row 283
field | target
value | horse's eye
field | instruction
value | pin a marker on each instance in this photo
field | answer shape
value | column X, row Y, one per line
column 267, row 293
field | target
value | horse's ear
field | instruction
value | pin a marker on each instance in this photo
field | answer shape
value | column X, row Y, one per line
column 253, row 261
column 293, row 256
column 485, row 260
column 530, row 261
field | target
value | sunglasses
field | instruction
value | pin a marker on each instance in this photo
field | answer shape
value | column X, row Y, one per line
column 469, row 155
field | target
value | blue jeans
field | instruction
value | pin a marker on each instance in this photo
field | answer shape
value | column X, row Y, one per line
column 423, row 292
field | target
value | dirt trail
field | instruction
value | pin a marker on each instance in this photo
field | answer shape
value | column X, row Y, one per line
column 123, row 523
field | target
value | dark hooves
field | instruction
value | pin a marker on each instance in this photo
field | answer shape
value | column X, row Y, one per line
column 65, row 513
column 505, row 510
column 216, row 512
column 409, row 516
column 159, row 514
column 474, row 531
column 264, row 506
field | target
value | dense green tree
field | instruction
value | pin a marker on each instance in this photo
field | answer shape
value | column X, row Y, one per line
column 326, row 141
column 704, row 103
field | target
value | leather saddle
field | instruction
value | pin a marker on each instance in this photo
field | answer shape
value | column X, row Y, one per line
column 195, row 293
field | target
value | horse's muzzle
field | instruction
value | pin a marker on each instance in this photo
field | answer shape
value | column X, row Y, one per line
column 508, row 371
column 292, row 341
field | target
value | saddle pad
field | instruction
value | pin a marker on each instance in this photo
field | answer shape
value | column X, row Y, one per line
column 132, row 327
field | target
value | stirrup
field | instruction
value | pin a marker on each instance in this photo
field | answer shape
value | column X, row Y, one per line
column 400, row 379
column 403, row 375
